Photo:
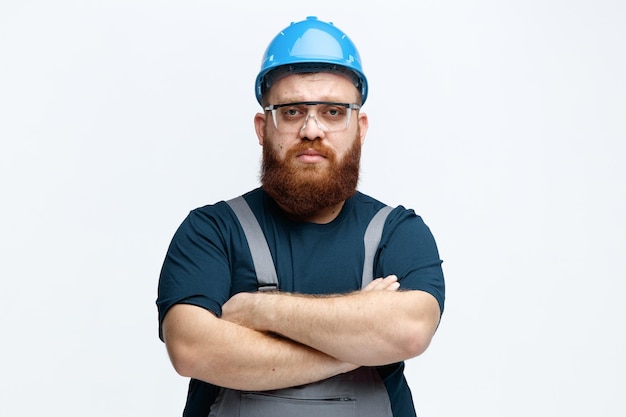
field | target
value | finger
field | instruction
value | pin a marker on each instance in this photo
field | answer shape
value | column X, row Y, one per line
column 389, row 283
column 373, row 285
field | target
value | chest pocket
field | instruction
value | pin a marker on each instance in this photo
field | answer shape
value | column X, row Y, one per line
column 357, row 393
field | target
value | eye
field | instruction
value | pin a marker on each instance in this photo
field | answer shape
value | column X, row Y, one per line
column 292, row 112
column 334, row 112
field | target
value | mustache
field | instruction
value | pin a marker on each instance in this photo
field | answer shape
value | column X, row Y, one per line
column 316, row 145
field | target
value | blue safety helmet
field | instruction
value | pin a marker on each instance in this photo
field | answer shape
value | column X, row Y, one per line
column 310, row 46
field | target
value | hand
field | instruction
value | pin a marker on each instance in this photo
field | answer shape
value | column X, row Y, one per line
column 389, row 283
column 239, row 309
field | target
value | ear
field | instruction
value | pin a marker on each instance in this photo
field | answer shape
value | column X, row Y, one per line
column 363, row 125
column 259, row 126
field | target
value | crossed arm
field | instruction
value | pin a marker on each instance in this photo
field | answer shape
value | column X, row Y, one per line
column 319, row 337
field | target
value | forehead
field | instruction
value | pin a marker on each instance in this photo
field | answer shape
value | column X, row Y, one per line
column 319, row 86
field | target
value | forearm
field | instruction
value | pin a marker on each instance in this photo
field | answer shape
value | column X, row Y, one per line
column 204, row 347
column 366, row 328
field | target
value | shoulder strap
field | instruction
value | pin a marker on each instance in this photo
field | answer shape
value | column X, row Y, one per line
column 373, row 233
column 261, row 255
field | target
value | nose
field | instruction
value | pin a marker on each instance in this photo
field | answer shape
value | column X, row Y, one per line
column 312, row 131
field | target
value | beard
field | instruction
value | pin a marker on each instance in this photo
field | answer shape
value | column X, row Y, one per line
column 304, row 189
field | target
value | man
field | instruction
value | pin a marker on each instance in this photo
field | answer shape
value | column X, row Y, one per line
column 326, row 340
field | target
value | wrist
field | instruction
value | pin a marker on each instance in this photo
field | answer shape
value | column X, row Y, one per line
column 267, row 308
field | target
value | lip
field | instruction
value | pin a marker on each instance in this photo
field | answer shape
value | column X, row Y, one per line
column 310, row 156
column 311, row 152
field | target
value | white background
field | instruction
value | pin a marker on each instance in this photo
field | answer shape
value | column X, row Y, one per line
column 501, row 122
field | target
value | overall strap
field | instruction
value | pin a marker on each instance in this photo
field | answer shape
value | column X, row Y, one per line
column 371, row 239
column 262, row 257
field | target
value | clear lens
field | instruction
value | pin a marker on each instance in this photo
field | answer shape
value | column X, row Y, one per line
column 329, row 117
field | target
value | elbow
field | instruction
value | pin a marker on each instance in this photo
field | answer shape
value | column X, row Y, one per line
column 183, row 368
column 417, row 341
column 416, row 346
column 421, row 327
column 184, row 343
column 182, row 359
column 401, row 346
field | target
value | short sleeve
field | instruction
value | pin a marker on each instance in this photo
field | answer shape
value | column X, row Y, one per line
column 408, row 250
column 196, row 268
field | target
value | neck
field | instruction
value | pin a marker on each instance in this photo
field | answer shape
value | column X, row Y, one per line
column 323, row 216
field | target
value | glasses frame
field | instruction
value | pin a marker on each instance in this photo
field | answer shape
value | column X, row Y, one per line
column 349, row 106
